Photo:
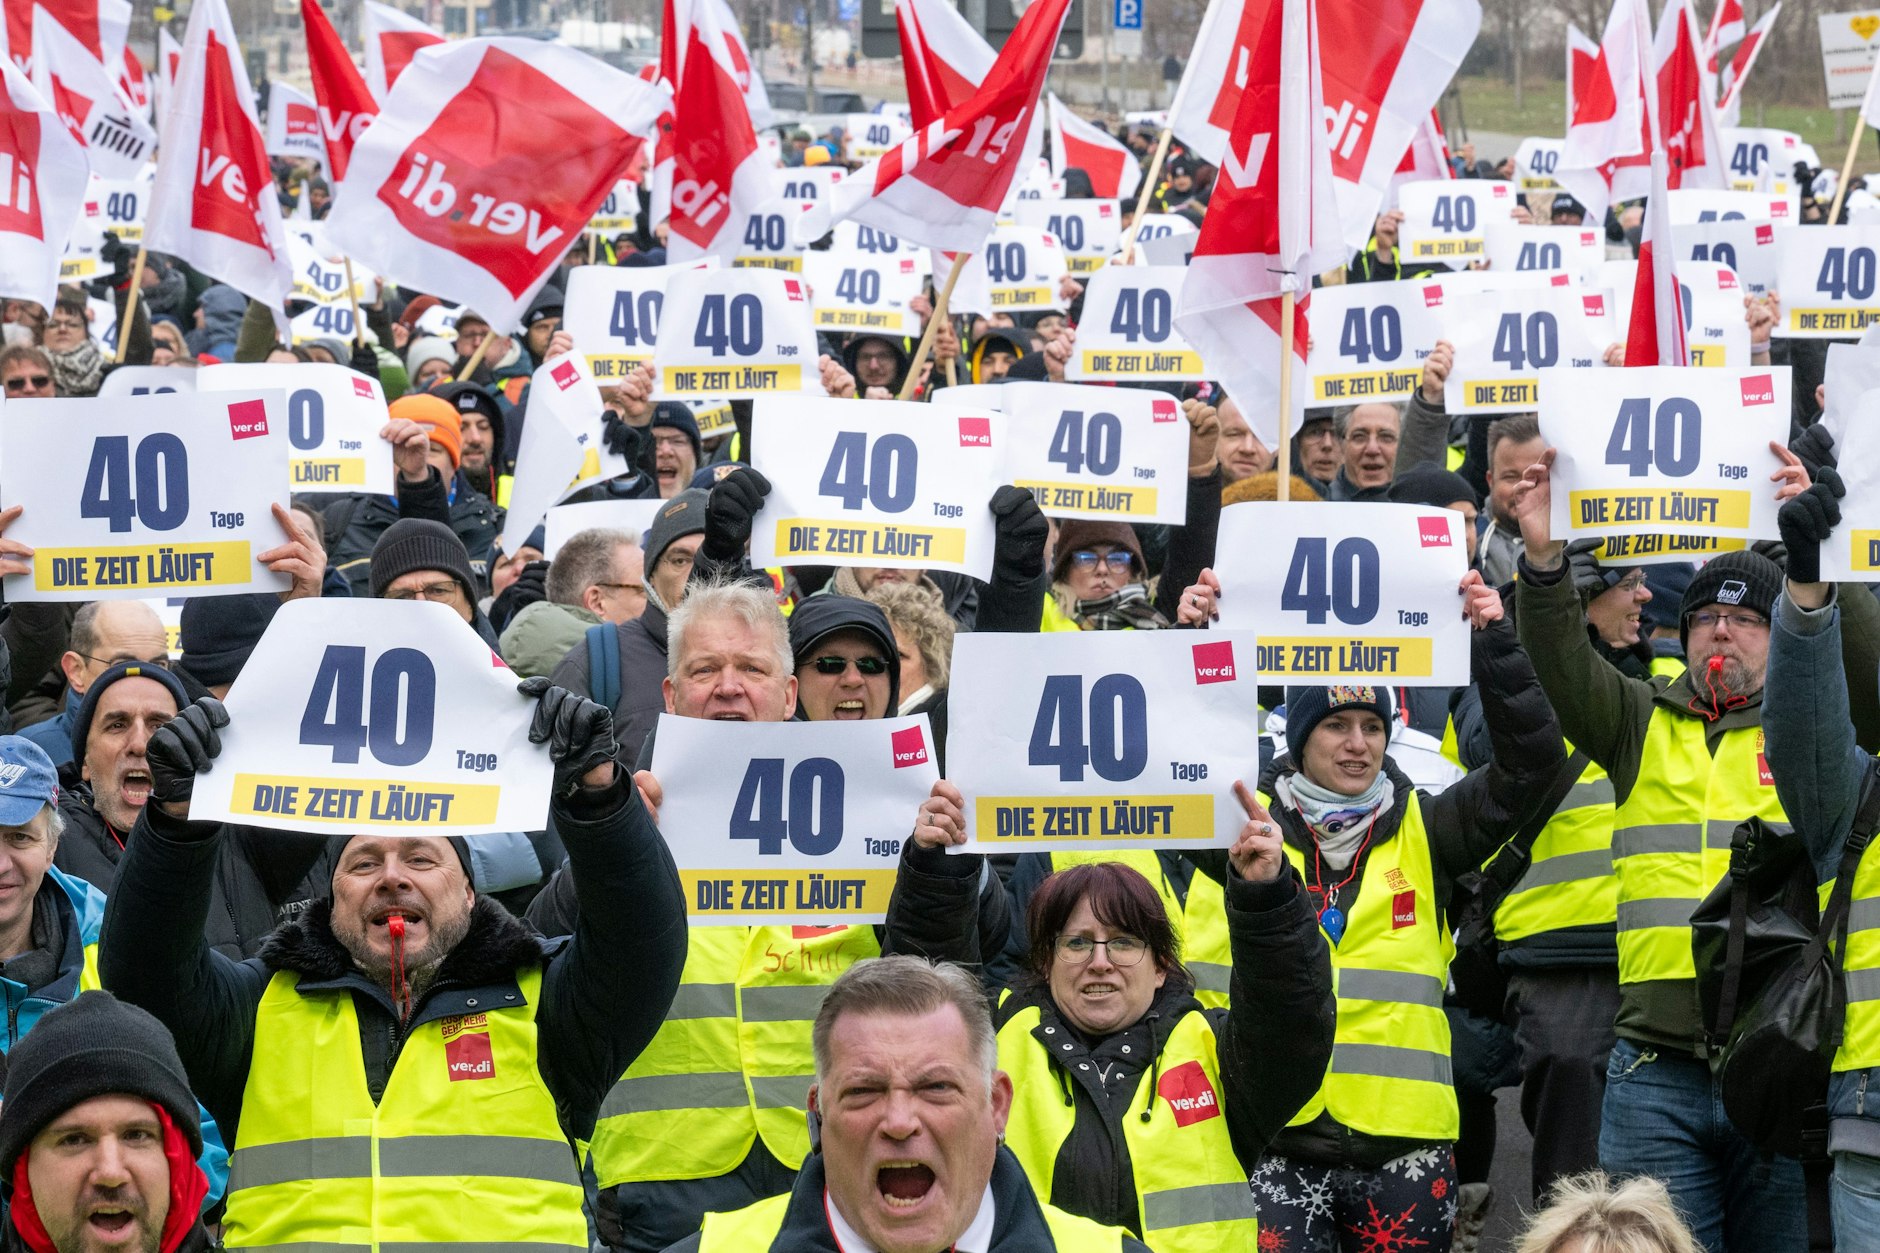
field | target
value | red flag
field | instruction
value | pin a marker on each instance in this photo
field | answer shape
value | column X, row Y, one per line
column 99, row 26
column 718, row 173
column 943, row 186
column 944, row 57
column 485, row 164
column 392, row 39
column 1076, row 144
column 1731, row 110
column 1273, row 221
column 1686, row 117
column 213, row 201
column 1656, row 334
column 346, row 104
column 1605, row 155
column 86, row 97
column 42, row 189
column 132, row 82
column 1726, row 27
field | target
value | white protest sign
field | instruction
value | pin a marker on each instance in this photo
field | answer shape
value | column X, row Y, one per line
column 732, row 333
column 1763, row 158
column 1535, row 162
column 1578, row 250
column 872, row 134
column 877, row 483
column 782, row 823
column 1089, row 231
column 1692, row 206
column 876, row 244
column 334, row 416
column 169, row 611
column 1830, row 282
column 631, row 516
column 1852, row 552
column 154, row 495
column 852, row 291
column 1664, row 451
column 119, row 205
column 1368, row 340
column 1504, row 340
column 714, row 417
column 1446, row 219
column 146, row 380
column 1750, row 249
column 1346, row 592
column 1128, row 328
column 768, row 238
column 808, row 182
column 1171, row 250
column 1102, row 740
column 1714, row 328
column 376, row 715
column 612, row 313
column 561, row 450
column 333, row 321
column 322, row 279
column 1462, row 283
column 1849, row 43
column 1852, row 371
column 1163, row 226
column 1017, row 270
column 619, row 214
column 1098, row 452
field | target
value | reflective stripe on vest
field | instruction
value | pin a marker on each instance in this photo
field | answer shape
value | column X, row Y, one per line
column 1190, row 1186
column 756, row 1227
column 1569, row 882
column 732, row 1058
column 1671, row 837
column 1200, row 923
column 1860, row 1039
column 463, row 1150
column 1390, row 1073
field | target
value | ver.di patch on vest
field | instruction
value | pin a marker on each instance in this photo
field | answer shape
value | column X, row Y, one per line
column 467, row 1052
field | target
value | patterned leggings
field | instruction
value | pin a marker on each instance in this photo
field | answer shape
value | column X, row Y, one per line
column 1404, row 1206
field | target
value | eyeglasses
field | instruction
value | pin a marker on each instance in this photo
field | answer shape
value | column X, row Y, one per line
column 161, row 663
column 1122, row 561
column 1708, row 618
column 1077, row 950
column 65, row 324
column 623, row 587
column 869, row 666
column 1632, row 582
column 448, row 590
column 674, row 442
column 38, row 382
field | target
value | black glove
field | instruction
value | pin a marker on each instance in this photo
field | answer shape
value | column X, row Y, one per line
column 183, row 748
column 578, row 732
column 530, row 586
column 734, row 501
column 1815, row 446
column 1019, row 534
column 364, row 360
column 620, row 437
column 1805, row 521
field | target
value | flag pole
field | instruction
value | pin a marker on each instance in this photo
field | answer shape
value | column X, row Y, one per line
column 476, row 358
column 1283, row 462
column 934, row 320
column 130, row 306
column 352, row 298
column 1142, row 196
column 1847, row 167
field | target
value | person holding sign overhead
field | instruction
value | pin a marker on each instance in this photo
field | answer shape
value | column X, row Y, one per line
column 406, row 1062
column 1687, row 764
column 1133, row 1104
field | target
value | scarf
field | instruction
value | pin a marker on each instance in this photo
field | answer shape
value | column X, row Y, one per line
column 79, row 371
column 1125, row 610
column 1338, row 822
column 188, row 1188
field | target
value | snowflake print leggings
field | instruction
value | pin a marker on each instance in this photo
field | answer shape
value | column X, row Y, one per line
column 1404, row 1206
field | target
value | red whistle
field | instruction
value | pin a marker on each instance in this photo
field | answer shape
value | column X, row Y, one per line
column 396, row 923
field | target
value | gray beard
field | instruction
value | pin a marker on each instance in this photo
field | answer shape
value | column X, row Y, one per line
column 421, row 966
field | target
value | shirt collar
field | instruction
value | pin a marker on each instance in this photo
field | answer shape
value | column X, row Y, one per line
column 977, row 1237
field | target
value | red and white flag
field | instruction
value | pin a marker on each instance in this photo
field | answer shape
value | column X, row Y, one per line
column 1427, row 157
column 1730, row 112
column 1393, row 62
column 944, row 58
column 1077, row 144
column 1273, row 221
column 1656, row 334
column 719, row 174
column 346, row 106
column 1582, row 57
column 99, row 26
column 1605, row 157
column 485, row 164
column 1686, row 129
column 1726, row 28
column 132, row 81
column 392, row 38
column 84, row 93
column 213, row 203
column 750, row 82
column 42, row 189
column 169, row 60
column 943, row 186
column 293, row 123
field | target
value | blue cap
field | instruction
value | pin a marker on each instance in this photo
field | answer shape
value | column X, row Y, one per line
column 28, row 782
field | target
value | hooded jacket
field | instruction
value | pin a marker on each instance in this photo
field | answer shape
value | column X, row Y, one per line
column 222, row 310
column 901, row 359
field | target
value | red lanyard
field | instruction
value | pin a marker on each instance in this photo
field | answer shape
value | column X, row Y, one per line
column 1329, row 896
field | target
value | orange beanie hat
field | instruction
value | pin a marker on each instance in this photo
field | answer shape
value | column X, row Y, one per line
column 436, row 415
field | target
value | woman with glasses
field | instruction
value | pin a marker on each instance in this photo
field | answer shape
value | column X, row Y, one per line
column 1133, row 1105
column 1099, row 581
column 77, row 359
column 847, row 667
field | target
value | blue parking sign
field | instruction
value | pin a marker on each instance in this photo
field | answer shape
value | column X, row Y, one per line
column 1128, row 15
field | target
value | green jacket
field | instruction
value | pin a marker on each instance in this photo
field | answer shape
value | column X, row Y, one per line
column 542, row 634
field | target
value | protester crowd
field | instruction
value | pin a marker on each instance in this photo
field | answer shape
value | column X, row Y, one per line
column 220, row 1035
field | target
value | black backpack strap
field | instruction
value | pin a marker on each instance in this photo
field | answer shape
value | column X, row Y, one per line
column 1734, row 938
column 1834, row 915
column 1511, row 861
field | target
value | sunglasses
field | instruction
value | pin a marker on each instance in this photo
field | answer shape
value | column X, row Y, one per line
column 36, row 381
column 869, row 666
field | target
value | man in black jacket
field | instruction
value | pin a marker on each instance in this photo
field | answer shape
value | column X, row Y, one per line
column 408, row 960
